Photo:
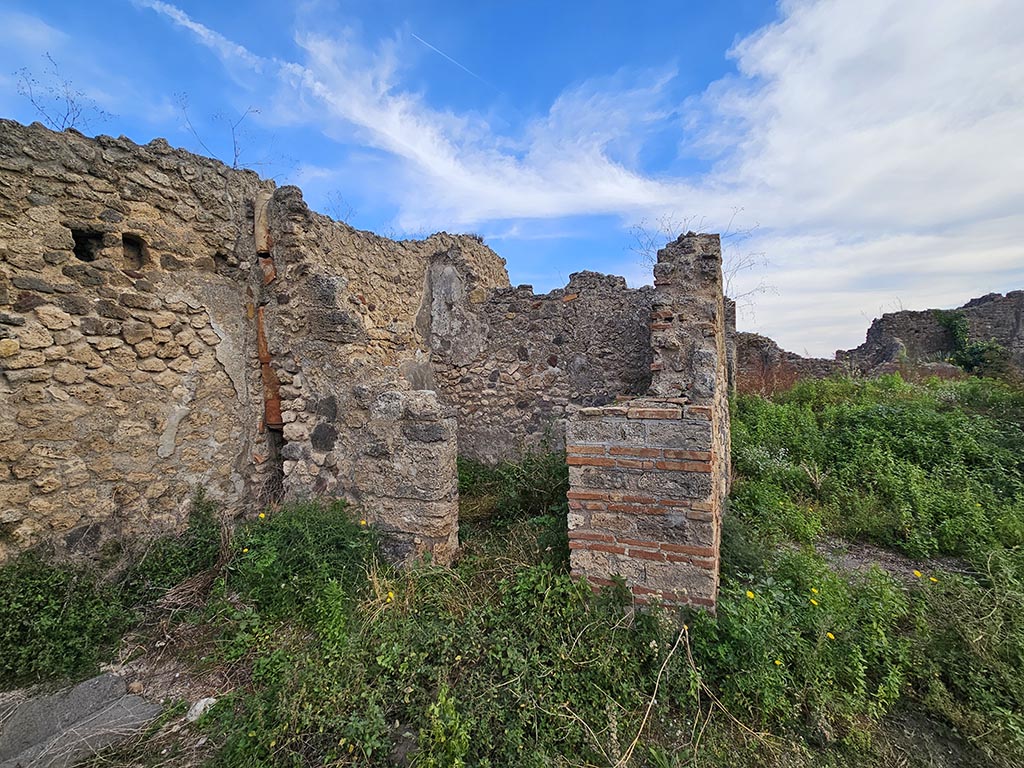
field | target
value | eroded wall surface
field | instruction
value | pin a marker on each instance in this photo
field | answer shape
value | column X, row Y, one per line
column 168, row 323
column 360, row 419
column 513, row 363
column 124, row 340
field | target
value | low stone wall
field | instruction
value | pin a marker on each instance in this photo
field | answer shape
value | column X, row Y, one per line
column 763, row 367
column 648, row 476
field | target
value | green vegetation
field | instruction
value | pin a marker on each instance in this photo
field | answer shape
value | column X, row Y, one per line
column 61, row 621
column 55, row 622
column 339, row 659
column 984, row 358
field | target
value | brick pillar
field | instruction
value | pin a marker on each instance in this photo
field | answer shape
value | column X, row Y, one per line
column 648, row 476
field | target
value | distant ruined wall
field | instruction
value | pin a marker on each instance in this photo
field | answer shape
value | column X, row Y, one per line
column 893, row 342
column 514, row 363
column 150, row 345
column 762, row 366
column 919, row 337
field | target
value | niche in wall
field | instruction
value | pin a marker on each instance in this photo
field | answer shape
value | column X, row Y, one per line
column 88, row 245
column 136, row 253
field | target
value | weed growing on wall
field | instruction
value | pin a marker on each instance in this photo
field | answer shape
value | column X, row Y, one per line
column 980, row 357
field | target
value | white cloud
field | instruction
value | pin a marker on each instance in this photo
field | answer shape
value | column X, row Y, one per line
column 29, row 33
column 877, row 142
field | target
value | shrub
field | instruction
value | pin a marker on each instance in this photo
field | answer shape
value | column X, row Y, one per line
column 56, row 621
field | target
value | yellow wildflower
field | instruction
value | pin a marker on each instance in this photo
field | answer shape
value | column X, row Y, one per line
column 244, row 550
column 262, row 515
column 362, row 522
column 830, row 636
column 750, row 595
column 391, row 596
column 933, row 580
column 917, row 574
column 813, row 601
column 814, row 590
column 778, row 662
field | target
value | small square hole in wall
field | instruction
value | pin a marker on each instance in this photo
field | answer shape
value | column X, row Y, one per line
column 88, row 245
column 136, row 253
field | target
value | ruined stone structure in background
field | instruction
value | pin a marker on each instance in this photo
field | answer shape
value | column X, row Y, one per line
column 168, row 323
column 896, row 339
column 921, row 337
column 648, row 476
column 518, row 362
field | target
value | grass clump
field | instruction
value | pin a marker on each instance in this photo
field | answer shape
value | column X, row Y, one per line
column 168, row 560
column 286, row 558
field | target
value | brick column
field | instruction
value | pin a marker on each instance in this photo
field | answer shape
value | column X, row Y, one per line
column 648, row 476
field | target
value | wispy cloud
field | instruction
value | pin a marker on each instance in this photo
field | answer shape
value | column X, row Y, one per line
column 29, row 32
column 225, row 48
column 877, row 141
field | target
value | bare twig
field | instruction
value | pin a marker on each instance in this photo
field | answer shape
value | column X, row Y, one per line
column 56, row 101
column 625, row 758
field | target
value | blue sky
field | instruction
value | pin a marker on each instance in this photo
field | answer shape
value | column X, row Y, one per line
column 865, row 154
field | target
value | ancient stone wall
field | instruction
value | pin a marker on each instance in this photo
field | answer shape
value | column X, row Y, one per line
column 919, row 337
column 914, row 343
column 124, row 341
column 763, row 367
column 359, row 421
column 512, row 363
column 168, row 323
column 648, row 476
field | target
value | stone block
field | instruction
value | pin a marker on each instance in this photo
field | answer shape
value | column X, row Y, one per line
column 53, row 318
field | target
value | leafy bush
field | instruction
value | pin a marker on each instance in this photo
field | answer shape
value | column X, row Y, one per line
column 56, row 621
column 529, row 487
column 895, row 463
column 983, row 358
